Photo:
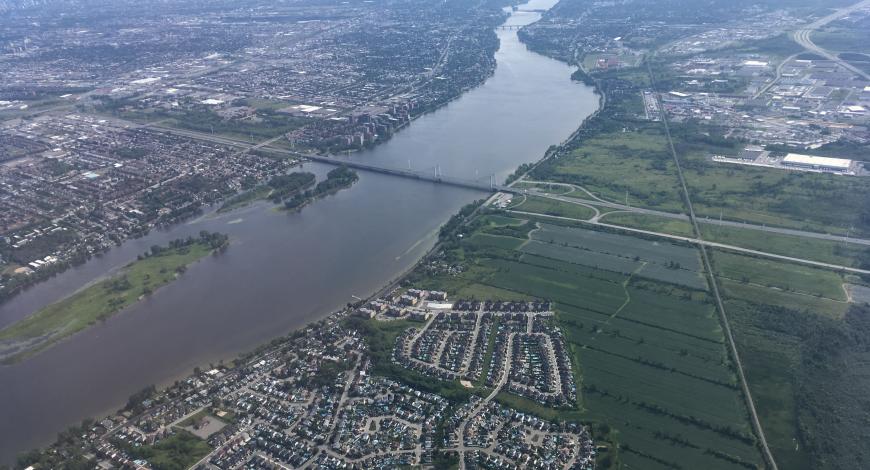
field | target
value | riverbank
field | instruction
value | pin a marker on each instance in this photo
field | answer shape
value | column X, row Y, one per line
column 336, row 180
column 276, row 190
column 97, row 303
column 289, row 269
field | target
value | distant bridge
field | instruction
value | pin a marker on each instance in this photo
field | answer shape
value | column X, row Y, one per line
column 434, row 176
column 508, row 27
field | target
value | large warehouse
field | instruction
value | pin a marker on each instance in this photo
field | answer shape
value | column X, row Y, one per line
column 817, row 163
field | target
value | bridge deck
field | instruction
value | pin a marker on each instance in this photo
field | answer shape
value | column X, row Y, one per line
column 442, row 179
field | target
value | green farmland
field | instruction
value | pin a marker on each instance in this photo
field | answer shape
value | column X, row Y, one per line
column 649, row 355
column 826, row 251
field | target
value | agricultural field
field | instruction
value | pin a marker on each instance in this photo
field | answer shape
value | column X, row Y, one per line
column 825, row 251
column 781, row 283
column 781, row 275
column 649, row 356
column 618, row 253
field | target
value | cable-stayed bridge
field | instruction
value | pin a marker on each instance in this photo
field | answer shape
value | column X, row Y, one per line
column 432, row 174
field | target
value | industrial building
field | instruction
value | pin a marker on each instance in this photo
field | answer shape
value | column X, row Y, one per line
column 817, row 163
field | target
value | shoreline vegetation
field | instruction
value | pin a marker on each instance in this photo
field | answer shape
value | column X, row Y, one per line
column 341, row 178
column 241, row 199
column 276, row 190
column 154, row 269
column 336, row 180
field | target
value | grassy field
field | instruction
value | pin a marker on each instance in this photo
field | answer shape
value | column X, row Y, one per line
column 780, row 298
column 838, row 38
column 812, row 201
column 97, row 302
column 650, row 222
column 550, row 188
column 542, row 205
column 780, row 275
column 787, row 285
column 826, row 251
column 177, row 452
column 649, row 357
column 614, row 163
column 619, row 155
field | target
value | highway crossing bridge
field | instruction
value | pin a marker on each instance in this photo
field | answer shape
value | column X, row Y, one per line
column 434, row 175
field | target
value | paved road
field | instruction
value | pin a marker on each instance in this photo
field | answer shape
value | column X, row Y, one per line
column 714, row 286
column 802, row 37
column 705, row 221
column 697, row 241
column 505, row 375
column 591, row 203
column 777, row 77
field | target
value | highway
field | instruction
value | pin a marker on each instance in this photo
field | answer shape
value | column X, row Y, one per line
column 777, row 77
column 802, row 37
column 714, row 286
column 698, row 241
column 593, row 200
column 684, row 217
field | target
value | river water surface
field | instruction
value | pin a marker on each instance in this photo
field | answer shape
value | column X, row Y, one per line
column 285, row 270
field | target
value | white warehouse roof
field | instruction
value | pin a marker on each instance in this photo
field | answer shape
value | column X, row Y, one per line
column 821, row 162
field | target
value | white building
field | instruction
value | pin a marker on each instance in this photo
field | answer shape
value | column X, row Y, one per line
column 817, row 163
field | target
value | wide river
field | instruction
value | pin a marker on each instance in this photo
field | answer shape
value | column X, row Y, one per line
column 285, row 270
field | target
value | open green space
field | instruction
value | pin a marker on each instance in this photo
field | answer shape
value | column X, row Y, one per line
column 177, row 452
column 826, row 251
column 264, row 123
column 618, row 160
column 802, row 200
column 649, row 222
column 649, row 356
column 551, row 188
column 101, row 300
column 781, row 275
column 841, row 37
column 542, row 205
column 807, row 373
column 276, row 189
